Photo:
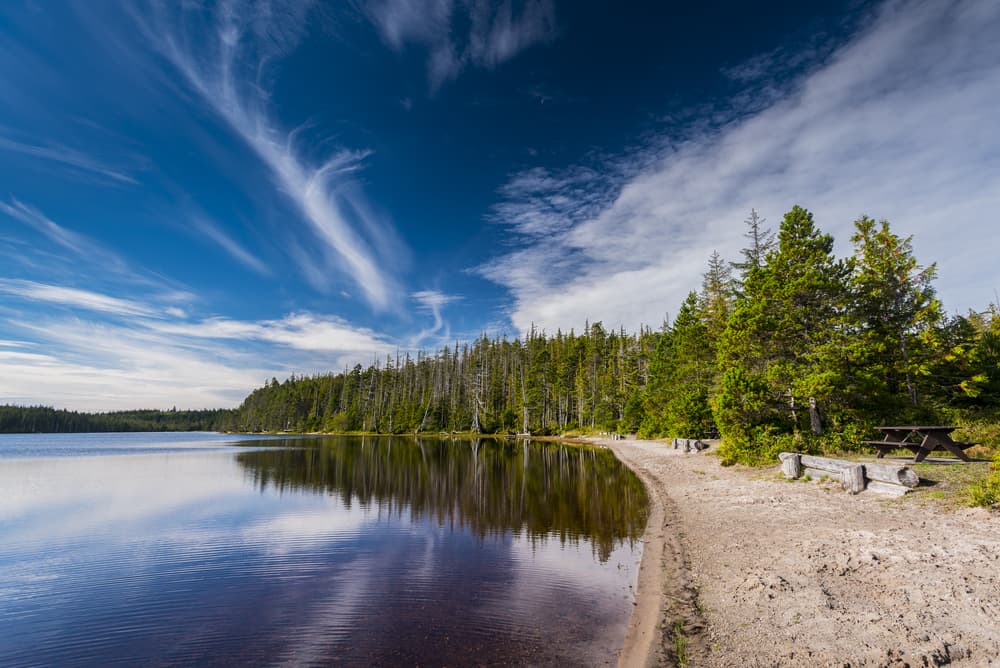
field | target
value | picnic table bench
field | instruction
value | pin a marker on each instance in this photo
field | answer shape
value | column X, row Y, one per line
column 921, row 441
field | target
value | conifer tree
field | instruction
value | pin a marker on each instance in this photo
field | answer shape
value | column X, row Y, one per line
column 779, row 349
column 761, row 241
column 895, row 313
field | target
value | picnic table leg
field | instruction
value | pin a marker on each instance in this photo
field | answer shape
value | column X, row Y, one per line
column 890, row 444
column 925, row 448
column 948, row 444
column 958, row 452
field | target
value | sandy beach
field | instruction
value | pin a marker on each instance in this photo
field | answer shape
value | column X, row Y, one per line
column 742, row 568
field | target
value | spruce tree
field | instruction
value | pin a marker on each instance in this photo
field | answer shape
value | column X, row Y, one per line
column 761, row 243
column 779, row 350
column 895, row 315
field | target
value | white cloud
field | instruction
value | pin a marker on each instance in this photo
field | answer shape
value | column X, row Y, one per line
column 433, row 301
column 460, row 34
column 143, row 362
column 214, row 233
column 74, row 298
column 65, row 155
column 899, row 122
column 301, row 331
column 78, row 244
column 87, row 258
column 104, row 366
column 226, row 67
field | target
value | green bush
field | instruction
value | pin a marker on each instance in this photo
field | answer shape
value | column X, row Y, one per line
column 760, row 446
column 983, row 430
column 986, row 493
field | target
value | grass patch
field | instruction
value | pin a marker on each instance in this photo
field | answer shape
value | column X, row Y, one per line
column 949, row 484
column 680, row 643
column 985, row 492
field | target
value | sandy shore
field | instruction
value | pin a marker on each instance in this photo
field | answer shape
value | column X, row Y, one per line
column 765, row 572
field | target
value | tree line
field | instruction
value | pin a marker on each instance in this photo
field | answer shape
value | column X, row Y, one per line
column 44, row 419
column 789, row 346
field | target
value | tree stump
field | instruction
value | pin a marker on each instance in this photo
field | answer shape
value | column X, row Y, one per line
column 791, row 465
column 854, row 478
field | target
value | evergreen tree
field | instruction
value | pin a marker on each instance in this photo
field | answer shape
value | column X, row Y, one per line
column 784, row 337
column 895, row 314
column 761, row 243
column 717, row 294
column 687, row 413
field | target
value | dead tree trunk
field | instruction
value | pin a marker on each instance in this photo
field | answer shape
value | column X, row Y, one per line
column 814, row 420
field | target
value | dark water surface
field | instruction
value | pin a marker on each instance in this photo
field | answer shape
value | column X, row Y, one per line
column 160, row 549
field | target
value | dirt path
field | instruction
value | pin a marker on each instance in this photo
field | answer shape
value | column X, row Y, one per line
column 771, row 573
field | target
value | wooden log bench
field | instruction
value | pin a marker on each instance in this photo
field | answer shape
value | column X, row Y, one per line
column 855, row 476
column 689, row 444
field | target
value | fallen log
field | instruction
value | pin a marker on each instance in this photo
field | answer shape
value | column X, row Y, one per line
column 890, row 473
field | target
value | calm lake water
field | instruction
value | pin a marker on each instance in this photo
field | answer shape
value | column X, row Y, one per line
column 160, row 549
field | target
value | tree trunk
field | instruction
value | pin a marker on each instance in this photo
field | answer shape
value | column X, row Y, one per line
column 814, row 421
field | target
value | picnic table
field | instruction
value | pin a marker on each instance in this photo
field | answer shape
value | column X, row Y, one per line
column 920, row 440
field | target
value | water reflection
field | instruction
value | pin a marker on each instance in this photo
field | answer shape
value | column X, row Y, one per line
column 490, row 486
column 312, row 552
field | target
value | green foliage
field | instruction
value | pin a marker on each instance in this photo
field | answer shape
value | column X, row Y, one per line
column 680, row 643
column 894, row 315
column 683, row 370
column 761, row 445
column 542, row 385
column 781, row 349
column 42, row 419
column 817, row 351
column 986, row 493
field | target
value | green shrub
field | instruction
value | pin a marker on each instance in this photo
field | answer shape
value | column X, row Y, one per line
column 761, row 445
column 986, row 492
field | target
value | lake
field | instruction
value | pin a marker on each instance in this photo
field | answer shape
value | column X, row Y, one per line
column 220, row 550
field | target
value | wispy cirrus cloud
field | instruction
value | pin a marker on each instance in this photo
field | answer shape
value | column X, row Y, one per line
column 74, row 257
column 225, row 54
column 73, row 298
column 78, row 244
column 300, row 331
column 207, row 229
column 433, row 302
column 899, row 122
column 480, row 33
column 67, row 156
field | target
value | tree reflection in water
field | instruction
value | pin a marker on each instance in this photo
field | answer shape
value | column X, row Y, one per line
column 489, row 486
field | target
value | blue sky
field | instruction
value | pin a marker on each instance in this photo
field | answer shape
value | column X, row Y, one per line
column 195, row 197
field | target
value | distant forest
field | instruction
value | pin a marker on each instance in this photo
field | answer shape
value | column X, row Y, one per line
column 42, row 419
column 788, row 347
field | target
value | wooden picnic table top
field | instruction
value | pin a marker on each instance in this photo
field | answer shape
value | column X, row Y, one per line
column 917, row 428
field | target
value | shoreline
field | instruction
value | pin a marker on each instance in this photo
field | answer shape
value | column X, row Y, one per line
column 664, row 595
column 767, row 572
